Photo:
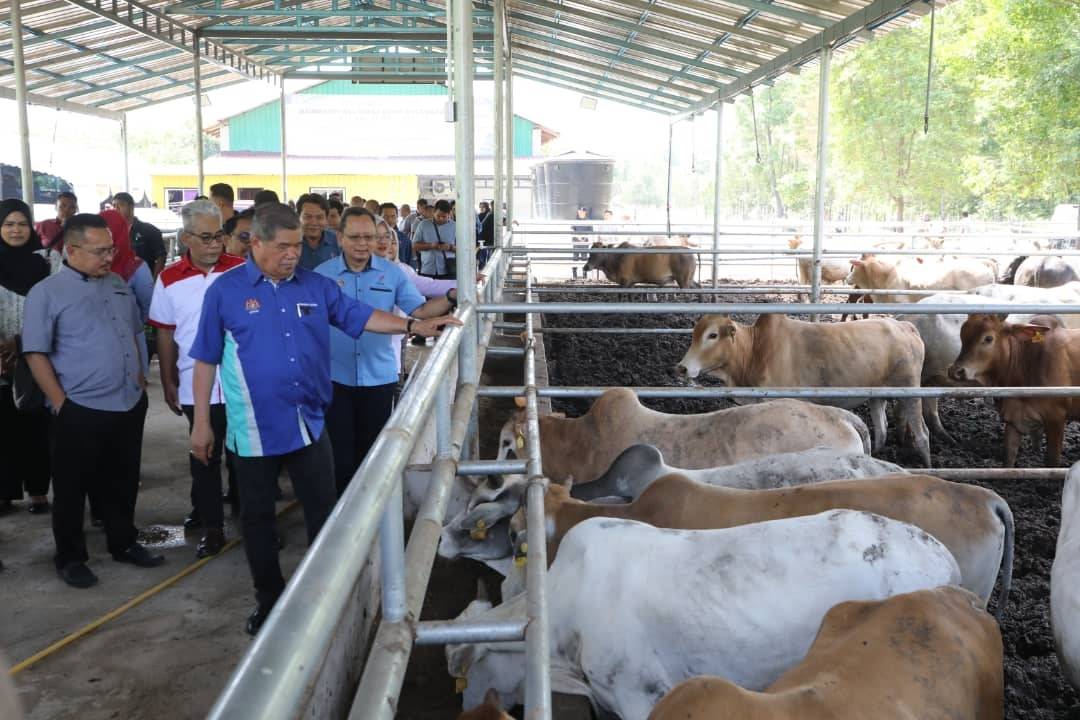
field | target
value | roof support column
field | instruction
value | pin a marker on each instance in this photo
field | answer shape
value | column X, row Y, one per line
column 284, row 149
column 500, row 147
column 124, row 141
column 822, row 157
column 20, row 105
column 670, row 140
column 461, row 20
column 197, row 70
column 716, row 189
column 508, row 132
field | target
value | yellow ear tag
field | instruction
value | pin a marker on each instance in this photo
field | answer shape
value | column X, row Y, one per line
column 480, row 531
column 519, row 561
column 460, row 684
column 1038, row 337
column 520, row 441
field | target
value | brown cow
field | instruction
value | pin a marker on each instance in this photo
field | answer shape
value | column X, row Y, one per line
column 931, row 654
column 778, row 351
column 1041, row 353
column 919, row 274
column 585, row 447
column 652, row 268
column 974, row 523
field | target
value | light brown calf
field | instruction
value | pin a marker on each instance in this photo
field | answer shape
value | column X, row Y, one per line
column 974, row 523
column 919, row 274
column 585, row 447
column 832, row 271
column 931, row 655
column 1041, row 353
column 491, row 709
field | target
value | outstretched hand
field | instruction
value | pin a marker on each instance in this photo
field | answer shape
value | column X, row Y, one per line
column 432, row 327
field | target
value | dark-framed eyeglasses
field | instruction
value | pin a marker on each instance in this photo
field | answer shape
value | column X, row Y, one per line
column 208, row 239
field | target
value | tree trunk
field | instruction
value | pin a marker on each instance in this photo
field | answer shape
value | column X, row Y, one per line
column 899, row 201
column 781, row 211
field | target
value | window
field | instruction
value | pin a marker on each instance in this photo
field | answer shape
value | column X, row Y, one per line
column 326, row 191
column 248, row 193
column 176, row 198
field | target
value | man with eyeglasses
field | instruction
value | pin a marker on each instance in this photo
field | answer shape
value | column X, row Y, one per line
column 177, row 303
column 83, row 339
column 364, row 370
column 238, row 228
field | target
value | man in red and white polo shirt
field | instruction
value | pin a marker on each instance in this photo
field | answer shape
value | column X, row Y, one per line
column 174, row 311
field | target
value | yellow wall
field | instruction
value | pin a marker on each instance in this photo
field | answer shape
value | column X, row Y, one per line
column 384, row 188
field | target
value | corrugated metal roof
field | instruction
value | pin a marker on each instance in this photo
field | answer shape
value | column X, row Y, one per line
column 670, row 56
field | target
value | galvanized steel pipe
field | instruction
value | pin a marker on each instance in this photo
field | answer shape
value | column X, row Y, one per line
column 776, row 308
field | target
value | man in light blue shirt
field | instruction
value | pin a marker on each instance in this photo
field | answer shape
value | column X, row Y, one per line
column 435, row 240
column 364, row 370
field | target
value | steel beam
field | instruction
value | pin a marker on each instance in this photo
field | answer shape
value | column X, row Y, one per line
column 26, row 168
column 196, row 65
column 508, row 131
column 870, row 16
column 589, row 81
column 717, row 177
column 592, row 51
column 357, row 35
column 501, row 41
column 296, row 10
column 520, row 15
column 822, row 164
column 284, row 146
column 578, row 86
column 159, row 26
column 45, row 101
column 625, row 75
column 785, row 12
column 565, row 67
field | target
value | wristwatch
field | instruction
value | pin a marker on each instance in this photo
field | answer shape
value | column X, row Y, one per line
column 408, row 325
column 451, row 300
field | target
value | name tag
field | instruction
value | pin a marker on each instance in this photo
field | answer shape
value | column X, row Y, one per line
column 305, row 309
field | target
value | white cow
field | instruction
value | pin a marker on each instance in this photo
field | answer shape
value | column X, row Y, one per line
column 742, row 603
column 1065, row 581
column 919, row 274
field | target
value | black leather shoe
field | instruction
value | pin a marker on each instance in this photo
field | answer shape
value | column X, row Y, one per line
column 39, row 508
column 192, row 520
column 139, row 556
column 211, row 544
column 76, row 574
column 257, row 618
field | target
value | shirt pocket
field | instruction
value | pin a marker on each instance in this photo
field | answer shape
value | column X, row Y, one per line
column 380, row 298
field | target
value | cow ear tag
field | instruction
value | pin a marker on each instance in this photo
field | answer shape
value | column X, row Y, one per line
column 1038, row 337
column 460, row 684
column 520, row 441
column 480, row 531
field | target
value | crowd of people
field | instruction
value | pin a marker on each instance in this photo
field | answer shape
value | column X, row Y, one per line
column 279, row 337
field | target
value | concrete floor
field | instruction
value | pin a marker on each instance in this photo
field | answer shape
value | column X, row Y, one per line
column 166, row 658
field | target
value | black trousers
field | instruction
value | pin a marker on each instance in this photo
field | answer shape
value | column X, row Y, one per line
column 206, row 479
column 355, row 418
column 311, row 470
column 95, row 453
column 443, row 276
column 24, row 445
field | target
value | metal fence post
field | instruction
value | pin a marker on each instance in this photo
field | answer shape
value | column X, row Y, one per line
column 27, row 170
column 822, row 157
column 717, row 176
column 284, row 148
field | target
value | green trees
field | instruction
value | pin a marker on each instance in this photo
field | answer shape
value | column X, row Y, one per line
column 1004, row 132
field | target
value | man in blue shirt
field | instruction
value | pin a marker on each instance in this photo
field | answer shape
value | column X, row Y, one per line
column 320, row 243
column 364, row 370
column 267, row 324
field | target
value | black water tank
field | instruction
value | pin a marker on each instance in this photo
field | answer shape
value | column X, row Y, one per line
column 574, row 180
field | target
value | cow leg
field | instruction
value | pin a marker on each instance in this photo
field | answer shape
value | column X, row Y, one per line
column 913, row 417
column 877, row 417
column 933, row 420
column 1055, row 440
column 1012, row 444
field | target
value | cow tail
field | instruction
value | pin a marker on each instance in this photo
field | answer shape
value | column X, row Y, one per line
column 1009, row 276
column 864, row 433
column 1001, row 509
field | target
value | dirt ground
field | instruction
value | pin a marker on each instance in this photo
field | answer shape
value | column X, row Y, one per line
column 1034, row 686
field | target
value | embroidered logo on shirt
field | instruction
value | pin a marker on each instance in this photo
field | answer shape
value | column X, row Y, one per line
column 341, row 282
column 252, row 305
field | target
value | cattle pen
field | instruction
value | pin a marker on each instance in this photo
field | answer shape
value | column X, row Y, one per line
column 338, row 644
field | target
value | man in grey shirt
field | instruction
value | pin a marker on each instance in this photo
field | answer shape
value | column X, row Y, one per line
column 83, row 339
column 435, row 239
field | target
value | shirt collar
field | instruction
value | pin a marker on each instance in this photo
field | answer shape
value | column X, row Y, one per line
column 79, row 273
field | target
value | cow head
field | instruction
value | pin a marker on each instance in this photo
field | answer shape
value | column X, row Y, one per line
column 596, row 261
column 984, row 341
column 795, row 242
column 481, row 531
column 481, row 667
column 513, row 437
column 555, row 495
column 866, row 271
column 712, row 349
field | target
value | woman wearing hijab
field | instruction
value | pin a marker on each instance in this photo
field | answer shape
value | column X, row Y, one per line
column 127, row 264
column 24, row 438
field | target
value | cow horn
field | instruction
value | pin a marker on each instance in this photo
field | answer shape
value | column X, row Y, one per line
column 520, row 401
